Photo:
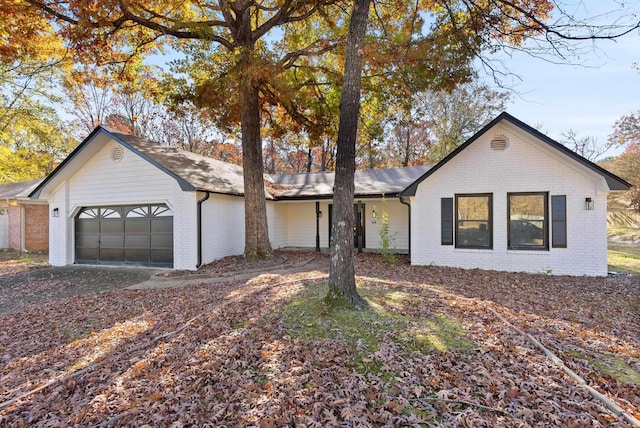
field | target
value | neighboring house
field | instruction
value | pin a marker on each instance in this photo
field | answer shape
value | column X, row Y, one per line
column 510, row 198
column 24, row 222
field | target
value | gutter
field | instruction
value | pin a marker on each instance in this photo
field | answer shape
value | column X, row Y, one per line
column 200, row 202
column 403, row 202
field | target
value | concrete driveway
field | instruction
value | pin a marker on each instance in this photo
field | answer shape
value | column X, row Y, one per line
column 54, row 283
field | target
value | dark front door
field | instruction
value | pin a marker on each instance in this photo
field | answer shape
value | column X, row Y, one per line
column 358, row 226
column 133, row 235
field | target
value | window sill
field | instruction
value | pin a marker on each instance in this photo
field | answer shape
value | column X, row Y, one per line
column 529, row 252
column 472, row 250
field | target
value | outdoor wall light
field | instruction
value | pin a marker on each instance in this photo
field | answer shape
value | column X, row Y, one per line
column 588, row 204
column 55, row 212
column 319, row 214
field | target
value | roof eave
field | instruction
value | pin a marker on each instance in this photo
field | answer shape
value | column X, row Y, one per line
column 613, row 181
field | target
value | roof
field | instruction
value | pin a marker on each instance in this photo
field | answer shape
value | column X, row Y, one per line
column 368, row 183
column 191, row 171
column 18, row 190
column 613, row 181
column 195, row 172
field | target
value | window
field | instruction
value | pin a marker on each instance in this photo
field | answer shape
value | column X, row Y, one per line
column 528, row 221
column 474, row 221
column 559, row 220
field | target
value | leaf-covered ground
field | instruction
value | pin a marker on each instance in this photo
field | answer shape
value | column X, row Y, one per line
column 429, row 352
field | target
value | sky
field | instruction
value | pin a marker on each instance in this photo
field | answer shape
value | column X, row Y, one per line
column 586, row 98
column 586, row 92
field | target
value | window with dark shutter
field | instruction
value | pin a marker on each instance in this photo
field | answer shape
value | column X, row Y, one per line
column 559, row 221
column 446, row 218
column 527, row 227
column 474, row 221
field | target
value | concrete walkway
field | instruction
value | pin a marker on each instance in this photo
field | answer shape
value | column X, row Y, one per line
column 158, row 281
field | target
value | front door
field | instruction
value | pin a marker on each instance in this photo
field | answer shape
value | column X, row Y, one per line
column 358, row 225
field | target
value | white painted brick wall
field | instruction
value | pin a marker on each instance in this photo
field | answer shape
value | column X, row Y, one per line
column 132, row 180
column 60, row 229
column 276, row 220
column 4, row 225
column 298, row 218
column 223, row 227
column 398, row 223
column 527, row 165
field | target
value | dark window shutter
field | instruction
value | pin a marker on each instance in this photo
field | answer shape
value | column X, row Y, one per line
column 446, row 217
column 559, row 221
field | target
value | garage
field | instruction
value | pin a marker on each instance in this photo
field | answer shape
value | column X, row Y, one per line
column 140, row 235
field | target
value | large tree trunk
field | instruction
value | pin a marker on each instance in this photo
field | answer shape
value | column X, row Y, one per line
column 256, row 243
column 342, row 281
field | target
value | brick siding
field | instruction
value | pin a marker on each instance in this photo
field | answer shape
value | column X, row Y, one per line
column 36, row 227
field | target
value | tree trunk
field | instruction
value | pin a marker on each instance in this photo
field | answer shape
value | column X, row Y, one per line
column 407, row 147
column 342, row 281
column 256, row 244
column 309, row 160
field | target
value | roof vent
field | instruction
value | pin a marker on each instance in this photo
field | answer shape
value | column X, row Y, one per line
column 117, row 153
column 499, row 142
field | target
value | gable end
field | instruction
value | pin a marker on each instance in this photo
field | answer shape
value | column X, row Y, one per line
column 613, row 181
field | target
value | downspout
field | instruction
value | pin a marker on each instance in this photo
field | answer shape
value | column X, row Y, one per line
column 402, row 201
column 200, row 202
column 318, row 226
column 23, row 229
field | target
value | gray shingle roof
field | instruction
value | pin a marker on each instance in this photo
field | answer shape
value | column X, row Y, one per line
column 367, row 183
column 18, row 190
column 196, row 172
column 201, row 172
column 204, row 173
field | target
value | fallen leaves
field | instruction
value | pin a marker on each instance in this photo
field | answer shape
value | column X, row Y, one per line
column 226, row 354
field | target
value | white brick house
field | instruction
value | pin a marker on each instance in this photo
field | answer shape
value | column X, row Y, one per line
column 512, row 199
column 118, row 199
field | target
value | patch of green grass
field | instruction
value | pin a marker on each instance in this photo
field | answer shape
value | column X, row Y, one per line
column 308, row 317
column 441, row 333
column 610, row 364
column 624, row 258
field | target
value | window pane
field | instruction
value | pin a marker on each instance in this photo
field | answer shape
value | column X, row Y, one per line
column 527, row 221
column 473, row 224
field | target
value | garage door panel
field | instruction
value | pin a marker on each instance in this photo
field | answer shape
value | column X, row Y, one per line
column 137, row 241
column 112, row 226
column 87, row 240
column 137, row 255
column 87, row 226
column 83, row 254
column 162, row 256
column 162, row 225
column 111, row 254
column 161, row 241
column 137, row 225
column 140, row 235
column 112, row 241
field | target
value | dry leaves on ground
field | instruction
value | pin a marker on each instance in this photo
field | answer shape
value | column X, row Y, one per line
column 429, row 353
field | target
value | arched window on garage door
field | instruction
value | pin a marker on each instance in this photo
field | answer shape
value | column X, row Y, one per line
column 125, row 235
